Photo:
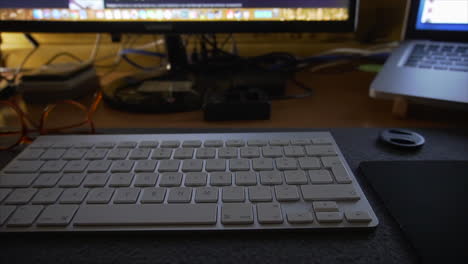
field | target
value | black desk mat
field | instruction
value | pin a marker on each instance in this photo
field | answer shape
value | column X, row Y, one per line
column 386, row 244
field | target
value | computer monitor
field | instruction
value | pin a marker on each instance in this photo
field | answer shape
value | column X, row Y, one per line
column 178, row 16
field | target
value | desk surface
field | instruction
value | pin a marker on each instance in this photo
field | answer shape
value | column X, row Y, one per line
column 340, row 99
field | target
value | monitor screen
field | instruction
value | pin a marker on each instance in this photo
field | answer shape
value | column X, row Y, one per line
column 443, row 15
column 154, row 12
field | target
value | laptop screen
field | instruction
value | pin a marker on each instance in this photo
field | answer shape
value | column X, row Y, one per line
column 443, row 15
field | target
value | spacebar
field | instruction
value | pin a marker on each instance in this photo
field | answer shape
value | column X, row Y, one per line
column 147, row 214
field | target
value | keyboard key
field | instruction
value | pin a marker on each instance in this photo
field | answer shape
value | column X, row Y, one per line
column 184, row 153
column 161, row 154
column 73, row 196
column 233, row 194
column 126, row 195
column 118, row 154
column 76, row 166
column 300, row 142
column 300, row 217
column 340, row 192
column 31, row 154
column 40, row 145
column 153, row 195
column 47, row 196
column 286, row 193
column 25, row 215
column 146, row 214
column 215, row 165
column 53, row 166
column 325, row 206
column 295, row 177
column 5, row 212
column 250, row 152
column 220, row 178
column 237, row 213
column 100, row 196
column 239, row 165
column 329, row 217
column 192, row 165
column 169, row 165
column 286, row 164
column 320, row 177
column 96, row 179
column 23, row 166
column 57, row 215
column 21, row 196
column 121, row 180
column 170, row 144
column 341, row 174
column 213, row 143
column 62, row 145
column 122, row 166
column 96, row 154
column 83, row 145
column 257, row 143
column 235, row 143
column 326, row 150
column 74, row 154
column 329, row 162
column 196, row 179
column 227, row 153
column 269, row 213
column 47, row 180
column 53, row 154
column 179, row 195
column 16, row 180
column 294, row 151
column 279, row 142
column 322, row 141
column 192, row 144
column 271, row 177
column 272, row 152
column 246, row 178
column 105, row 145
column 146, row 179
column 206, row 153
column 169, row 179
column 99, row 165
column 309, row 163
column 357, row 216
column 206, row 195
column 262, row 164
column 146, row 165
column 260, row 194
column 127, row 144
column 148, row 144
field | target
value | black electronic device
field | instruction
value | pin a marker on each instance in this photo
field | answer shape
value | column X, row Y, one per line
column 241, row 103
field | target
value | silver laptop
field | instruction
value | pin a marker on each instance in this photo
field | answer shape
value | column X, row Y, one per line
column 431, row 65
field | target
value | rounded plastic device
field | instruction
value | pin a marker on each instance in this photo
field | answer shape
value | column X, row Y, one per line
column 402, row 138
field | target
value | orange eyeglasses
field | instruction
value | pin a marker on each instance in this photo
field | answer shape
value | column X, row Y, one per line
column 17, row 127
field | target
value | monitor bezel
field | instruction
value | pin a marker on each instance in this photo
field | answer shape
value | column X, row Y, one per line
column 437, row 35
column 185, row 27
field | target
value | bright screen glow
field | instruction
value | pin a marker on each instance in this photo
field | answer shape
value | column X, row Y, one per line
column 447, row 15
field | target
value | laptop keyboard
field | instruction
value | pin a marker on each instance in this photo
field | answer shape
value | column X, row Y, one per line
column 439, row 57
column 250, row 181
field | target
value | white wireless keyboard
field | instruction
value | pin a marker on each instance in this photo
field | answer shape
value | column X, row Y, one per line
column 242, row 181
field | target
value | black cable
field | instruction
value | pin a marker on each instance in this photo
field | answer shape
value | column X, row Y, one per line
column 63, row 54
column 309, row 92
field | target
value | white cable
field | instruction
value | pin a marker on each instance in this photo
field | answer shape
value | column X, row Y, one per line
column 95, row 50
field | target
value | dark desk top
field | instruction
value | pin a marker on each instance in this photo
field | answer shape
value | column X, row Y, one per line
column 385, row 244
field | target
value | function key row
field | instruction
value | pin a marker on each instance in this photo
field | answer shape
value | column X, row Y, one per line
column 179, row 153
column 187, row 143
